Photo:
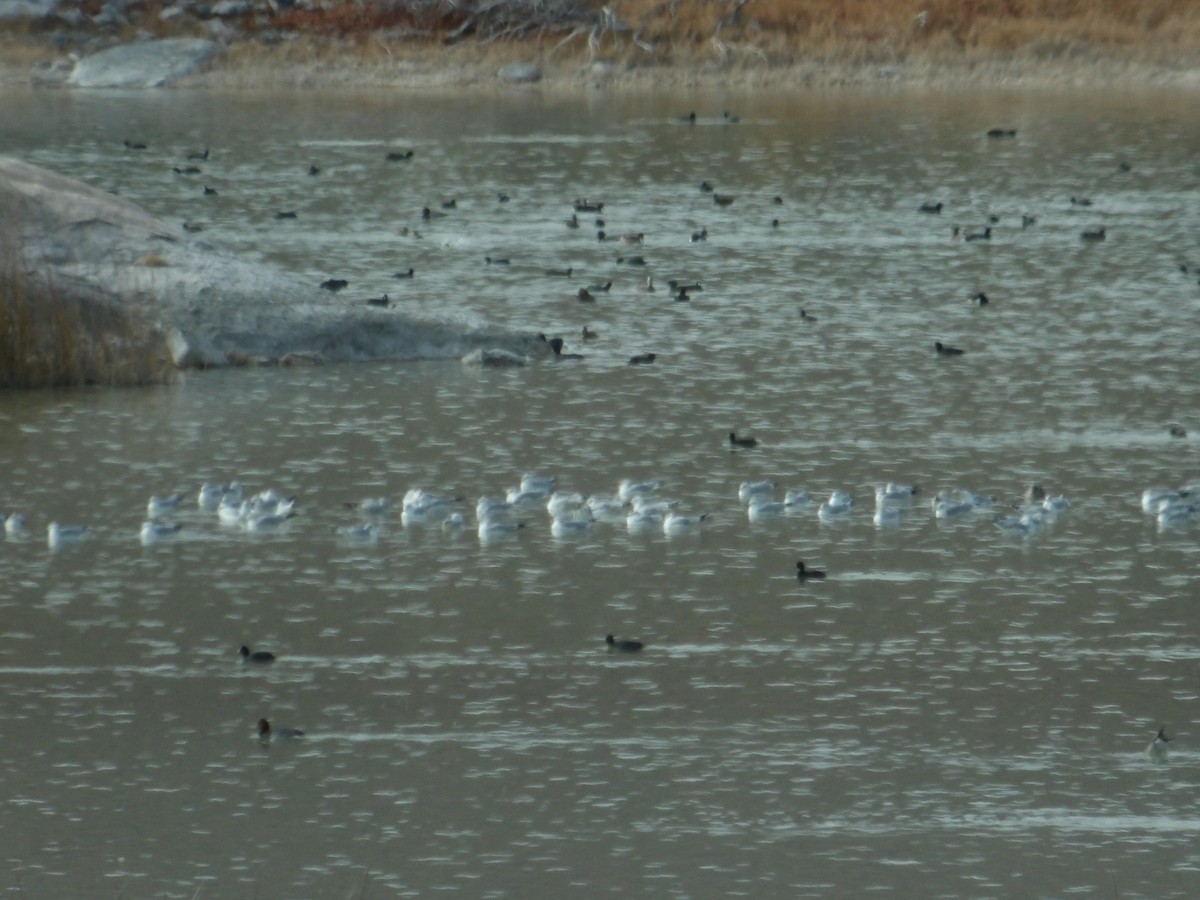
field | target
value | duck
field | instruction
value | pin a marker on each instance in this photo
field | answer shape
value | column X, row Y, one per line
column 372, row 506
column 887, row 516
column 746, row 442
column 407, row 273
column 1093, row 234
column 152, row 531
column 587, row 334
column 534, row 481
column 930, row 208
column 631, row 238
column 313, row 169
column 682, row 296
column 1001, row 132
column 398, row 156
column 334, row 284
column 1154, row 499
column 804, row 573
column 565, row 503
column 134, row 145
column 256, row 656
column 1081, row 201
column 723, row 199
column 701, row 235
column 572, row 222
column 985, row 235
column 585, row 296
column 556, row 344
column 491, row 528
column 285, row 214
column 806, row 317
column 650, row 505
column 676, row 523
column 57, row 535
column 706, row 187
column 796, row 498
column 585, row 206
column 639, row 521
column 642, row 359
column 763, row 507
column 496, row 260
column 1027, row 220
column 492, row 507
column 600, row 287
column 283, row 733
column 946, row 349
column 454, row 522
column 1158, row 747
column 570, row 525
column 623, row 645
column 209, row 192
column 894, row 493
column 1034, row 493
column 1176, row 430
column 379, row 301
column 560, row 273
column 981, row 299
column 647, row 287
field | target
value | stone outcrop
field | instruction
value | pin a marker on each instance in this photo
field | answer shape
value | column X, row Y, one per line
column 212, row 307
column 144, row 64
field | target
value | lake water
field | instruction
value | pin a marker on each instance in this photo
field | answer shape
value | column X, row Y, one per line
column 956, row 711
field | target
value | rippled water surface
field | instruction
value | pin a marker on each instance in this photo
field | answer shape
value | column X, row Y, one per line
column 955, row 712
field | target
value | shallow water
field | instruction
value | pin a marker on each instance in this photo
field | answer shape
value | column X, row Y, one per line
column 954, row 712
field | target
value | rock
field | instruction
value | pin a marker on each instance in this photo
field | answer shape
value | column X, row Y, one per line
column 226, row 8
column 520, row 73
column 147, row 64
column 27, row 10
column 213, row 308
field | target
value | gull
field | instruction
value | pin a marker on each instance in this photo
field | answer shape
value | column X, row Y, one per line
column 14, row 524
column 373, row 506
column 162, row 506
column 363, row 533
column 1158, row 747
column 153, row 531
column 675, row 523
column 839, row 504
column 266, row 733
column 564, row 503
column 57, row 535
column 747, row 490
column 628, row 488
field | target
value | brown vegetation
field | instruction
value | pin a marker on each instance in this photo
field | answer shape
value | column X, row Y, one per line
column 50, row 339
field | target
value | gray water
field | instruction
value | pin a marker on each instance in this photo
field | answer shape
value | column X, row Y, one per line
column 954, row 712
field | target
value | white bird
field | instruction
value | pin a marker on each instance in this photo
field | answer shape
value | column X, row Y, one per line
column 454, row 522
column 894, row 493
column 1158, row 747
column 490, row 529
column 567, row 526
column 950, row 509
column 627, row 489
column 15, row 524
column 158, row 506
column 749, row 489
column 210, row 495
column 231, row 512
column 363, row 533
column 57, row 535
column 259, row 522
column 156, row 531
column 643, row 521
column 1154, row 498
column 1171, row 514
column 606, row 509
column 795, row 499
column 1055, row 505
column 761, row 507
column 563, row 503
column 373, row 506
column 643, row 504
column 491, row 506
column 527, row 498
column 887, row 516
column 531, row 481
column 838, row 505
column 674, row 523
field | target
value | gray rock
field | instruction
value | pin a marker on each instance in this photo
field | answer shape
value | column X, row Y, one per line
column 211, row 307
column 147, row 64
column 26, row 10
column 231, row 8
column 520, row 73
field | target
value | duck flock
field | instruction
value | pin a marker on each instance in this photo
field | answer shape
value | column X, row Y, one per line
column 637, row 506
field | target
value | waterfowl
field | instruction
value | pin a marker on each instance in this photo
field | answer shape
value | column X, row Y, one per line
column 564, row 503
column 627, row 488
column 631, row 260
column 701, row 235
column 152, row 531
column 209, row 192
column 573, row 222
column 282, row 733
column 454, row 522
column 706, row 187
column 946, row 349
column 406, row 274
column 774, row 223
column 363, row 532
column 1176, row 430
column 452, row 203
column 1001, row 132
column 806, row 317
column 134, row 145
column 600, row 288
column 334, row 284
column 642, row 359
column 606, row 509
column 676, row 285
column 683, row 296
column 985, row 235
column 1027, row 220
column 256, row 656
column 585, row 296
column 837, row 506
column 560, row 273
column 1124, row 167
column 265, row 521
column 748, row 490
column 735, row 441
column 193, row 227
column 1081, row 201
column 803, row 573
column 489, row 529
column 15, row 524
column 723, row 199
column 623, row 645
column 186, row 170
column 556, row 344
column 647, row 287
column 676, row 523
column 690, row 118
column 313, row 170
column 427, row 214
column 1094, row 234
column 372, row 506
column 57, row 535
column 1034, row 493
column 777, row 200
column 202, row 155
column 285, row 214
column 532, row 481
column 795, row 498
column 730, row 118
column 763, row 507
column 887, row 516
column 397, row 156
column 643, row 521
column 649, row 505
column 587, row 334
column 1154, row 499
column 161, row 506
column 378, row 301
column 981, row 298
column 894, row 493
column 496, row 260
column 585, row 206
column 1158, row 747
column 632, row 238
column 931, row 208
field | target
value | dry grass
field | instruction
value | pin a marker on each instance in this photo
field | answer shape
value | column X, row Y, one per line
column 50, row 339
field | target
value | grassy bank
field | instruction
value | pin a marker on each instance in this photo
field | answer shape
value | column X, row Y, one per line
column 49, row 338
column 682, row 42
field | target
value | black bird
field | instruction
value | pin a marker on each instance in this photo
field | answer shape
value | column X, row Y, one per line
column 378, row 301
column 285, row 214
column 1027, row 220
column 1081, row 201
column 209, row 192
column 585, row 206
column 200, row 156
column 556, row 344
column 313, row 170
column 690, row 118
column 932, row 208
column 587, row 334
column 706, row 187
column 701, row 235
column 623, row 645
column 600, row 288
column 985, row 235
column 334, row 284
column 1176, row 430
column 676, row 285
column 452, row 203
column 1096, row 234
column 735, row 441
column 774, row 223
column 496, row 260
column 631, row 260
column 803, row 573
column 946, row 350
column 257, row 656
column 642, row 359
column 981, row 298
column 723, row 199
column 778, row 201
column 559, row 273
column 406, row 274
column 192, row 227
column 806, row 317
column 683, row 296
column 131, row 145
column 502, row 198
column 397, row 156
column 1001, row 132
column 585, row 296
column 573, row 222
column 186, row 170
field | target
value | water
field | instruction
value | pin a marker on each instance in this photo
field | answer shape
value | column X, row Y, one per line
column 954, row 712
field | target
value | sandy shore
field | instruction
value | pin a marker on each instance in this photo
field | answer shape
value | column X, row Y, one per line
column 309, row 63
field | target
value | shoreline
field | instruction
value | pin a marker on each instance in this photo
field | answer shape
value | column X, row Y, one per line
column 309, row 63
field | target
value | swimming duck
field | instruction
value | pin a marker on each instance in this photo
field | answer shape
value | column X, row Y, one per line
column 985, row 235
column 256, row 656
column 397, row 156
column 1001, row 132
column 701, row 235
column 735, row 441
column 763, row 507
column 622, row 645
column 585, row 296
column 1158, row 747
column 492, row 528
column 642, row 359
column 600, row 288
column 803, row 573
column 573, row 222
column 379, row 301
column 564, row 503
column 1096, row 234
column 266, row 733
column 981, row 298
column 587, row 334
column 887, row 516
column 408, row 273
column 14, row 524
column 946, row 350
column 496, row 260
column 838, row 505
column 723, row 199
column 334, row 284
column 585, row 206
column 1081, row 201
column 806, row 317
column 1176, row 430
column 931, row 208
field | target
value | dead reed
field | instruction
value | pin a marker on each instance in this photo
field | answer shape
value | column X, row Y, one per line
column 51, row 339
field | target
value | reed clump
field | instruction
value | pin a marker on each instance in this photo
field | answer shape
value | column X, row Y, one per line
column 49, row 338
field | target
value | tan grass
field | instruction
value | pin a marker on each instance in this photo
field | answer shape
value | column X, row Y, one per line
column 50, row 339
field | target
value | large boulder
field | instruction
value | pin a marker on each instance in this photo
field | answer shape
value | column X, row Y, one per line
column 144, row 64
column 212, row 307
